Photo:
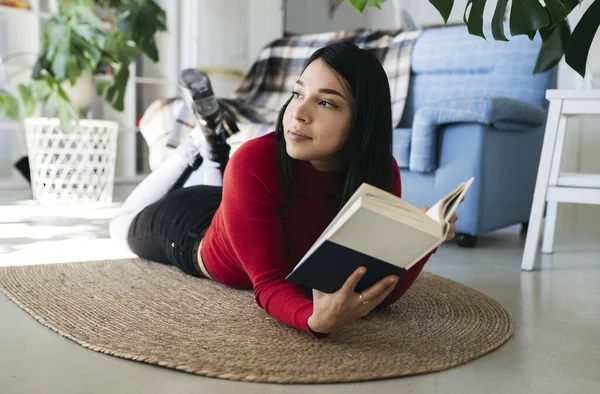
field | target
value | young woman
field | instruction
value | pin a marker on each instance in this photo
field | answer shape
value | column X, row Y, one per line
column 280, row 191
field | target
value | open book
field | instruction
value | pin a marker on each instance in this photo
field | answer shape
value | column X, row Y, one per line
column 378, row 230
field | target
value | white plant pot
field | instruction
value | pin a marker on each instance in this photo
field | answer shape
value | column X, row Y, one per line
column 82, row 93
column 78, row 167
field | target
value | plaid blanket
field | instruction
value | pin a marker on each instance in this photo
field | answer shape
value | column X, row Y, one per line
column 271, row 79
column 269, row 83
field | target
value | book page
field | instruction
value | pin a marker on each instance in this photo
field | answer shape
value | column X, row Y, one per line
column 361, row 191
column 413, row 218
column 444, row 208
column 384, row 238
column 339, row 220
column 365, row 190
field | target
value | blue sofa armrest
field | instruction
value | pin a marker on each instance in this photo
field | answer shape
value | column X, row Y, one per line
column 497, row 112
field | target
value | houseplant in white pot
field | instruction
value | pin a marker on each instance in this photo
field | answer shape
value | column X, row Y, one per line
column 73, row 159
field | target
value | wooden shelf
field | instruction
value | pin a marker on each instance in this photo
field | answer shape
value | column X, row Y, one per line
column 154, row 81
column 139, row 80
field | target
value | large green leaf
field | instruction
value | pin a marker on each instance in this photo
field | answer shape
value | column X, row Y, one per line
column 527, row 17
column 115, row 93
column 375, row 3
column 87, row 18
column 29, row 102
column 55, row 34
column 40, row 90
column 9, row 106
column 444, row 7
column 553, row 46
column 558, row 10
column 62, row 94
column 498, row 21
column 67, row 113
column 579, row 44
column 358, row 4
column 150, row 19
column 474, row 21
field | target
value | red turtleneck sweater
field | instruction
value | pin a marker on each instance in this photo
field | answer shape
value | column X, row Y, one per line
column 250, row 244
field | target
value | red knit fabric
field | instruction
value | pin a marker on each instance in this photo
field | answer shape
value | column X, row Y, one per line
column 251, row 244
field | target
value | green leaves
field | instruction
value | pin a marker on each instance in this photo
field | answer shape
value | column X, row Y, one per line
column 360, row 5
column 114, row 93
column 475, row 20
column 77, row 41
column 498, row 21
column 151, row 19
column 527, row 17
column 55, row 33
column 553, row 46
column 376, row 3
column 29, row 101
column 9, row 106
column 558, row 10
column 444, row 7
column 580, row 42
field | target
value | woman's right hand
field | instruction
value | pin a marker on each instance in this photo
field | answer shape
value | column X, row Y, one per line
column 332, row 311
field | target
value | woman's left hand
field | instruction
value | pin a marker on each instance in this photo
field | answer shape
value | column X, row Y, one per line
column 452, row 231
column 452, row 222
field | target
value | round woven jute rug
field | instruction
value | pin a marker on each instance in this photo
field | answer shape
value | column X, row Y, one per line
column 153, row 313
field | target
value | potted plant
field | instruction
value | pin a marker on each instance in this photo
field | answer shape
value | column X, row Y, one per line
column 528, row 17
column 84, row 38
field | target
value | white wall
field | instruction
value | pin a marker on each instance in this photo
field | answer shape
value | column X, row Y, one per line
column 265, row 23
column 312, row 16
column 227, row 33
column 18, row 70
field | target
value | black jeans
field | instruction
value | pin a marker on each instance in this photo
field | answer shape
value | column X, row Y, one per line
column 166, row 231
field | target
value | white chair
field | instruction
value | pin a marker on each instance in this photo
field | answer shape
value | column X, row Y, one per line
column 552, row 186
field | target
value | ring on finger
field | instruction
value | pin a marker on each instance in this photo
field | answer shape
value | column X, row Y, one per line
column 362, row 299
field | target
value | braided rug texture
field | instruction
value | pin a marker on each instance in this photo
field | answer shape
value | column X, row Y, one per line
column 154, row 313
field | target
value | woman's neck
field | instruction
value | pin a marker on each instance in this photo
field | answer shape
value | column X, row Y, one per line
column 330, row 165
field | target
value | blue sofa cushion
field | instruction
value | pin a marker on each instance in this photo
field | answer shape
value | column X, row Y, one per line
column 449, row 63
column 498, row 113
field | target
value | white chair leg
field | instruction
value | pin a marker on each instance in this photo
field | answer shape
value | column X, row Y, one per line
column 541, row 186
column 552, row 206
column 549, row 227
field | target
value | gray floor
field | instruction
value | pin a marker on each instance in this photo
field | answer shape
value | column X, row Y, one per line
column 555, row 349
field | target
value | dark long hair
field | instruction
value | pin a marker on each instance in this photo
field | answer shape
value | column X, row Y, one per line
column 367, row 153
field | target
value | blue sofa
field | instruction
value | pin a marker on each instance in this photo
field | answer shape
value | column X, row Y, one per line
column 474, row 109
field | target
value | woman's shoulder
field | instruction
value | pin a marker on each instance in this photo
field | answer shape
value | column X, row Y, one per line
column 258, row 155
column 259, row 145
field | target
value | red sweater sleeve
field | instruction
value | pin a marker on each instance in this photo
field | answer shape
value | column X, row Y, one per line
column 411, row 275
column 254, row 226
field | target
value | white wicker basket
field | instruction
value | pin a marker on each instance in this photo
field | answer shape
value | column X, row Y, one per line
column 78, row 167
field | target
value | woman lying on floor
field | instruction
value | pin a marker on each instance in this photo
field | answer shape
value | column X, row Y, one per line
column 280, row 191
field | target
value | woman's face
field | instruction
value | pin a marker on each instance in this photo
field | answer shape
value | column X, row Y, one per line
column 317, row 120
